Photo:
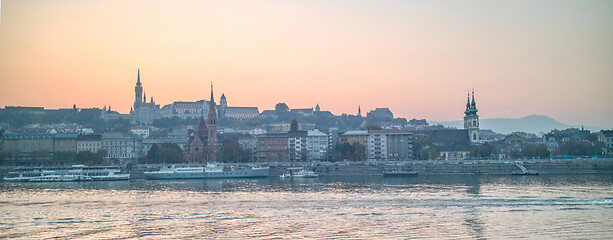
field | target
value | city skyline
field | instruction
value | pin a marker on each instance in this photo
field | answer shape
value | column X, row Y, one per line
column 418, row 59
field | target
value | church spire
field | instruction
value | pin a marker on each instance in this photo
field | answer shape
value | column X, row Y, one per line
column 467, row 103
column 212, row 112
column 472, row 104
column 138, row 78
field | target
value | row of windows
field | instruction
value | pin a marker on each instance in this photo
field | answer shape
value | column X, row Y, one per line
column 88, row 144
column 111, row 143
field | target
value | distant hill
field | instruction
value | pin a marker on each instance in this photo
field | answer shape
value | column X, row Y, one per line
column 536, row 124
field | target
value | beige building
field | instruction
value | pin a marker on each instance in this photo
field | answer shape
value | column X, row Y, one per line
column 89, row 142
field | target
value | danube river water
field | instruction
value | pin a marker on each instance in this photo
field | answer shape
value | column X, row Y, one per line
column 445, row 206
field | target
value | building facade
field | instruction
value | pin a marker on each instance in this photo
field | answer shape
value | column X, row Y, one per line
column 241, row 112
column 606, row 136
column 89, row 142
column 317, row 145
column 351, row 137
column 122, row 147
column 297, row 146
column 272, row 147
column 399, row 145
column 40, row 149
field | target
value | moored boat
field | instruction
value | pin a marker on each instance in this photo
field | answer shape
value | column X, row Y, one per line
column 399, row 173
column 66, row 174
column 209, row 171
column 302, row 173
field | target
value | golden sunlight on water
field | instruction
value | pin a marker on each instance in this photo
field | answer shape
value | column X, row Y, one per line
column 264, row 209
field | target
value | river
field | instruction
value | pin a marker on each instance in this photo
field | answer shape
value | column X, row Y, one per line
column 439, row 207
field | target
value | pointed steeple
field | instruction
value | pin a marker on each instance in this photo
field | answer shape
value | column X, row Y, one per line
column 145, row 97
column 359, row 111
column 472, row 104
column 152, row 99
column 467, row 111
column 212, row 112
column 138, row 78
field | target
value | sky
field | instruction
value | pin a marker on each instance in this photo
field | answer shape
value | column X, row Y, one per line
column 418, row 58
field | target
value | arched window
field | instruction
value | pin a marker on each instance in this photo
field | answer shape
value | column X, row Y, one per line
column 474, row 123
column 474, row 136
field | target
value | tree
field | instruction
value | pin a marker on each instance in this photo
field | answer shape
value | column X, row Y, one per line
column 42, row 155
column 169, row 155
column 350, row 152
column 3, row 155
column 90, row 159
column 483, row 151
column 293, row 126
column 372, row 127
column 152, row 154
column 84, row 156
column 232, row 152
column 281, row 107
column 580, row 148
column 164, row 153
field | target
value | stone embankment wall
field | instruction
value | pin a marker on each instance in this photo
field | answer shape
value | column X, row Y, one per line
column 578, row 166
column 572, row 166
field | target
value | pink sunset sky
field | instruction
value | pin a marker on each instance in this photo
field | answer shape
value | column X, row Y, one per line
column 418, row 58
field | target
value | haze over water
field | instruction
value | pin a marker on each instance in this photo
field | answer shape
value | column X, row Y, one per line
column 468, row 206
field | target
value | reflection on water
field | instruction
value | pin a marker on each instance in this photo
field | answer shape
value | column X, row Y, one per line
column 449, row 206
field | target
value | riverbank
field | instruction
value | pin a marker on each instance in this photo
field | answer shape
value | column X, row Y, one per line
column 497, row 167
column 367, row 168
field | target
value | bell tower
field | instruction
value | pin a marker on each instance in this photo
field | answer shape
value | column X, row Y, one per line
column 138, row 90
column 212, row 127
column 471, row 119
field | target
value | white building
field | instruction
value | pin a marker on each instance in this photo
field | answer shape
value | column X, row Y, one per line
column 142, row 131
column 317, row 145
column 121, row 146
column 377, row 146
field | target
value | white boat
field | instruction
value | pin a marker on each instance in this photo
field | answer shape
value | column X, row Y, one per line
column 66, row 174
column 210, row 171
column 302, row 173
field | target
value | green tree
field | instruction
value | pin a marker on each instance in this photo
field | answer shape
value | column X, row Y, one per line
column 164, row 153
column 152, row 154
column 483, row 151
column 372, row 127
column 231, row 151
column 580, row 148
column 84, row 157
column 92, row 159
column 42, row 156
column 169, row 155
column 350, row 152
column 281, row 107
column 3, row 155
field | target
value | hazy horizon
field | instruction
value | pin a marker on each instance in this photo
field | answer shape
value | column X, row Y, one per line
column 418, row 58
